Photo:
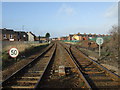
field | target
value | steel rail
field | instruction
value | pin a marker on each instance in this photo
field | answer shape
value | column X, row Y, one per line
column 18, row 72
column 113, row 76
column 117, row 77
column 78, row 67
column 45, row 69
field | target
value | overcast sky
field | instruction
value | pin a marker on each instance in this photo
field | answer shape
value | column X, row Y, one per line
column 60, row 18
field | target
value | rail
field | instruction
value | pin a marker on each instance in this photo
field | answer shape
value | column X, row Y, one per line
column 22, row 70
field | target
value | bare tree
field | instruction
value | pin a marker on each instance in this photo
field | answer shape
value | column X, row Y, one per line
column 113, row 44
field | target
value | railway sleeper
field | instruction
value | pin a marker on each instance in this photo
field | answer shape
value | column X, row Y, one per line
column 99, row 77
column 106, row 84
column 35, row 72
column 29, row 77
column 15, row 83
column 95, row 75
column 85, row 62
column 20, row 87
column 24, row 81
column 94, row 72
column 113, row 87
column 32, row 74
column 102, row 80
column 88, row 67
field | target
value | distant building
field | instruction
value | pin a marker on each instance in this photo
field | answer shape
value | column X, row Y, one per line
column 77, row 36
column 84, row 36
column 59, row 38
column 31, row 36
column 11, row 35
column 22, row 36
column 54, row 39
column 8, row 35
column 63, row 38
column 70, row 37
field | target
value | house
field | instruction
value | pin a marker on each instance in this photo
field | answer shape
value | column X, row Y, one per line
column 84, row 36
column 31, row 36
column 11, row 35
column 21, row 36
column 77, row 37
column 54, row 39
column 70, row 37
column 8, row 35
column 64, row 38
column 59, row 38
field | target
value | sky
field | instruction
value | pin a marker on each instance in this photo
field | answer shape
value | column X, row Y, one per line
column 60, row 18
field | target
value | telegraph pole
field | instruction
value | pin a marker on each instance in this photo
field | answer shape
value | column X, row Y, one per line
column 23, row 27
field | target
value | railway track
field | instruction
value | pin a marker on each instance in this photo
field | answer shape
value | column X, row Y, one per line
column 39, row 72
column 70, row 78
column 31, row 74
column 96, row 75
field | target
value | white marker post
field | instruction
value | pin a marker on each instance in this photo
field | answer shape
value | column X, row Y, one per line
column 13, row 52
column 99, row 41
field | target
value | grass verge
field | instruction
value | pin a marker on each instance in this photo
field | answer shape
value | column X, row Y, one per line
column 7, row 61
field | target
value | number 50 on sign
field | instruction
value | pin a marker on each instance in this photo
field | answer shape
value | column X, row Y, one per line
column 13, row 52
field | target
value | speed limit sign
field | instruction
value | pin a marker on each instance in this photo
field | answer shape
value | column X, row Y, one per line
column 99, row 40
column 13, row 52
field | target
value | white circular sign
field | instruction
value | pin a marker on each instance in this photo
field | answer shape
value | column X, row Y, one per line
column 13, row 52
column 99, row 40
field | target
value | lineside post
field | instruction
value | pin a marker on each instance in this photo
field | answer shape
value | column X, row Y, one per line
column 99, row 41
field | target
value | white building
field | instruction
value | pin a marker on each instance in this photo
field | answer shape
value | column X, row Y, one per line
column 31, row 36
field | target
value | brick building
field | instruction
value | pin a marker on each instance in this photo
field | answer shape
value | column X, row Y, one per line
column 64, row 38
column 70, row 37
column 8, row 35
column 21, row 36
column 84, row 36
column 11, row 35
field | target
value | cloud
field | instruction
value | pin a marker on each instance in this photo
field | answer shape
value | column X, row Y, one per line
column 112, row 12
column 66, row 9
